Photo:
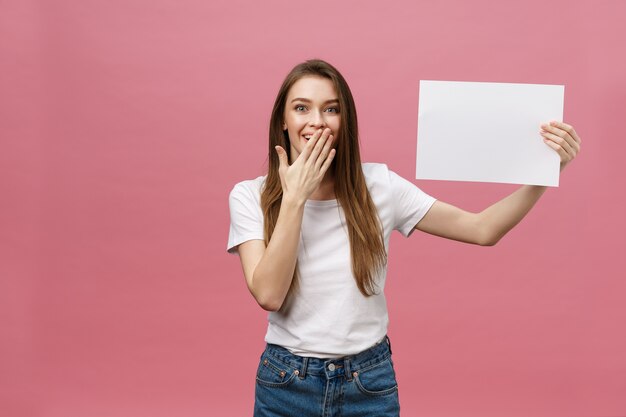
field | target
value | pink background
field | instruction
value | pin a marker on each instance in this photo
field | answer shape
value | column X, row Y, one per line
column 124, row 125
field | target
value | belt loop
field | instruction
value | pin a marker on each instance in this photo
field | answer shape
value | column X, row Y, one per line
column 305, row 361
column 346, row 367
column 388, row 343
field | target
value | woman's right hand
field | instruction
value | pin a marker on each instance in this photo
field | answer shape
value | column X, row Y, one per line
column 300, row 179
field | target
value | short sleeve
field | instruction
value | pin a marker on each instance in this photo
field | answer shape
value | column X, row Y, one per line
column 410, row 203
column 246, row 216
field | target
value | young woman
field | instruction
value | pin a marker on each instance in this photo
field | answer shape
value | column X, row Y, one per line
column 312, row 236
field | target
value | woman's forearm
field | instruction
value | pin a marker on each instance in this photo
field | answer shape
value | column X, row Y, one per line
column 273, row 274
column 499, row 218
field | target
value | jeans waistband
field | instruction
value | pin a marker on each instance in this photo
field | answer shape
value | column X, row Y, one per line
column 331, row 368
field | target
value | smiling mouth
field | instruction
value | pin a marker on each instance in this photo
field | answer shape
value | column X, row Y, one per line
column 307, row 137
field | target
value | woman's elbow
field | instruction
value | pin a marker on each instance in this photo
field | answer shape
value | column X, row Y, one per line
column 488, row 242
column 488, row 238
column 269, row 304
column 267, row 300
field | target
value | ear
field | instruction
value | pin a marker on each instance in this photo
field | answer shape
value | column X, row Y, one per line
column 284, row 126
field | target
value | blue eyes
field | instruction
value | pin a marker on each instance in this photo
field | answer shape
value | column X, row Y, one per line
column 303, row 108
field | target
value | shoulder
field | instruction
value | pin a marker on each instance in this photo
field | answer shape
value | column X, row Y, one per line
column 379, row 174
column 374, row 171
column 253, row 185
column 248, row 189
column 377, row 180
column 382, row 180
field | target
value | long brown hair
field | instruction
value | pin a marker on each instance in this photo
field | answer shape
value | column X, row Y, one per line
column 365, row 232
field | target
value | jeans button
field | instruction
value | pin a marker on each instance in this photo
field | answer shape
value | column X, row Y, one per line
column 331, row 367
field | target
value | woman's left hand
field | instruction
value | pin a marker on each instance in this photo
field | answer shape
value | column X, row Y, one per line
column 563, row 139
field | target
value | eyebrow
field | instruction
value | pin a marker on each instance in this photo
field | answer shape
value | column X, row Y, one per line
column 306, row 100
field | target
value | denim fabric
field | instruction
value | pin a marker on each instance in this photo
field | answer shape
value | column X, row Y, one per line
column 359, row 385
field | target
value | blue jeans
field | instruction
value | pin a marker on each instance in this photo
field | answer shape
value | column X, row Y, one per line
column 359, row 385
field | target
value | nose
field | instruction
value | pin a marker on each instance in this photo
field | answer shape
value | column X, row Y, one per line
column 317, row 119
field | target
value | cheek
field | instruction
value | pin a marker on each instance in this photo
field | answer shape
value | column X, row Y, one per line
column 293, row 134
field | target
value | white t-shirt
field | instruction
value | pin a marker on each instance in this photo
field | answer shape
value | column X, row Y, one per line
column 329, row 317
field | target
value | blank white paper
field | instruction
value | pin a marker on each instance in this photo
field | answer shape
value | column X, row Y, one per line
column 487, row 132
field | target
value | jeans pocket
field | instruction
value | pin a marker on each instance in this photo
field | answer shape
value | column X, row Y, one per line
column 377, row 380
column 273, row 373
